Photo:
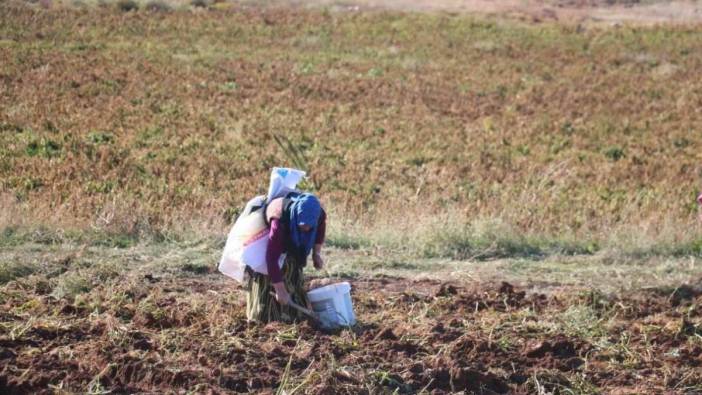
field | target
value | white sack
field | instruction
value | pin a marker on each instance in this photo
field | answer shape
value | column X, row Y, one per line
column 283, row 181
column 248, row 239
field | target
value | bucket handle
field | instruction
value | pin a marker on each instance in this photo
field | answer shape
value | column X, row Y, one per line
column 301, row 309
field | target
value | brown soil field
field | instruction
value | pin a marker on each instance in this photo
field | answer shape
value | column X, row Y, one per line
column 412, row 336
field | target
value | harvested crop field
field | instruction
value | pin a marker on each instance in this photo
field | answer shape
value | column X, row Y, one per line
column 511, row 196
column 189, row 333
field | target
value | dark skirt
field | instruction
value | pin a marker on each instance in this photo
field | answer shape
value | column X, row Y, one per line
column 261, row 305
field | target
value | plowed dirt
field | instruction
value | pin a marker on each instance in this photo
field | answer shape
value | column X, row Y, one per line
column 411, row 337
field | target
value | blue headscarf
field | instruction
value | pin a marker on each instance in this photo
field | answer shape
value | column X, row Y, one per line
column 304, row 209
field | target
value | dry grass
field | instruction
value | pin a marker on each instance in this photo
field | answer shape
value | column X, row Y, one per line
column 512, row 138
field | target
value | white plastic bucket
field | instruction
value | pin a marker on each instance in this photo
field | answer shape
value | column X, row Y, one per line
column 333, row 305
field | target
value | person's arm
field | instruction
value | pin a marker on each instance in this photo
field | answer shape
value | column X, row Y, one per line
column 276, row 245
column 319, row 241
column 321, row 229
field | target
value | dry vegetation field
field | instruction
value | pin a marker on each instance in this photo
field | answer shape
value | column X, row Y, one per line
column 453, row 153
column 157, row 319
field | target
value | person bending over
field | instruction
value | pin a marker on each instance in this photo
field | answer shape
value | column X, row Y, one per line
column 297, row 227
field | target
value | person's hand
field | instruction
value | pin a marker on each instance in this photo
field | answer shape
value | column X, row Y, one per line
column 281, row 293
column 318, row 261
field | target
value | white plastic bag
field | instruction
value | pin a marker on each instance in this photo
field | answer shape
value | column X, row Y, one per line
column 247, row 242
column 283, row 181
column 249, row 231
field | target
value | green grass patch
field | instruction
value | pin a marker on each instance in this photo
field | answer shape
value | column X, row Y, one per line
column 348, row 241
column 12, row 270
column 482, row 241
column 18, row 235
column 45, row 148
column 72, row 284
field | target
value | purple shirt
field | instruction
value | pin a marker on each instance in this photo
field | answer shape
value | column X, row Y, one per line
column 277, row 237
